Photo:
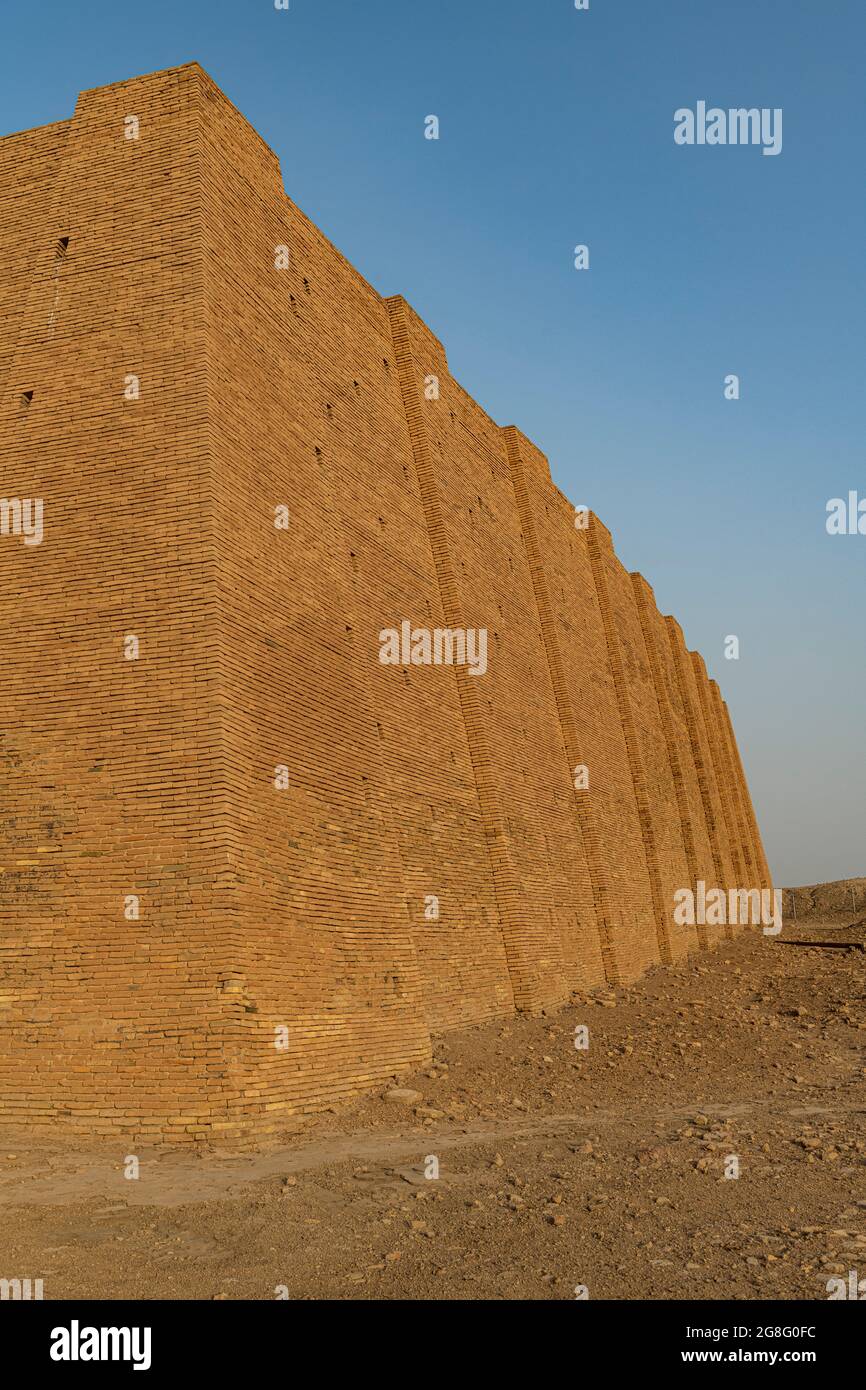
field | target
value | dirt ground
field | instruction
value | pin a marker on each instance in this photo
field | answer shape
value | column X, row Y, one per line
column 603, row 1167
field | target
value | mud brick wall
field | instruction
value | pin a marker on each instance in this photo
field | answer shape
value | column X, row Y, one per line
column 675, row 727
column 738, row 834
column 518, row 734
column 28, row 167
column 112, row 774
column 597, row 741
column 382, row 809
column 334, row 858
column 648, row 755
column 688, row 677
column 752, row 830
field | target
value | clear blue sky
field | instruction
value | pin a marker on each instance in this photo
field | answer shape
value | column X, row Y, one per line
column 557, row 128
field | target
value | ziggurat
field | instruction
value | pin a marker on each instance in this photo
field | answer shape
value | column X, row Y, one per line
column 295, row 913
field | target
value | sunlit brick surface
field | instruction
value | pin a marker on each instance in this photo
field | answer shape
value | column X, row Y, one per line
column 281, row 958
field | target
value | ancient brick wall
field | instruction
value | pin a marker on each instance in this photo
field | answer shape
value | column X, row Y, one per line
column 113, row 777
column 675, row 729
column 251, row 870
column 551, row 922
column 597, row 741
column 724, row 870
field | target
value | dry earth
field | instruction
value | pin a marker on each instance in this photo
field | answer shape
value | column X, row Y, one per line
column 557, row 1167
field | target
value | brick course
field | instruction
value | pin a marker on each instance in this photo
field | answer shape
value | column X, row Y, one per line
column 284, row 956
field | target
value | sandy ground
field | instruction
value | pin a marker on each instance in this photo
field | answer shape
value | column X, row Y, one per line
column 557, row 1167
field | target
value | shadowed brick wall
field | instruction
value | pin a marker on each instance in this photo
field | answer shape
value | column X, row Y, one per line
column 253, row 870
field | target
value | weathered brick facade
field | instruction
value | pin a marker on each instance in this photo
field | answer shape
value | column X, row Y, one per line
column 285, row 951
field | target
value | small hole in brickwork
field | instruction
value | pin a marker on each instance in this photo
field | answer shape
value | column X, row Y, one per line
column 329, row 411
column 379, row 729
column 26, row 398
column 306, row 287
column 382, row 522
column 354, row 559
column 385, row 364
column 318, row 453
column 356, row 386
column 62, row 246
